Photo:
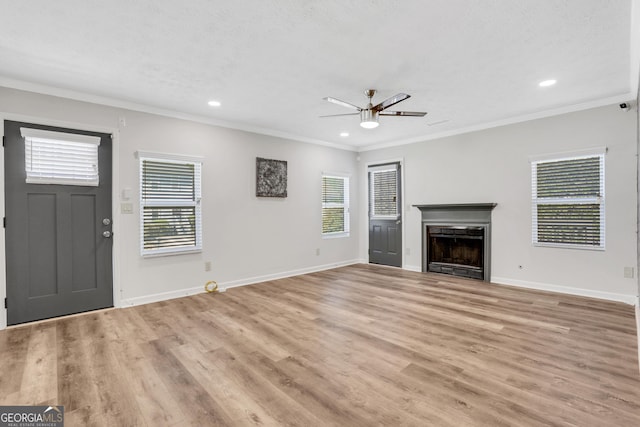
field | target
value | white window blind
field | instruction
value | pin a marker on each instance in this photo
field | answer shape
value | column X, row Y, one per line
column 335, row 205
column 170, row 209
column 60, row 158
column 383, row 197
column 568, row 201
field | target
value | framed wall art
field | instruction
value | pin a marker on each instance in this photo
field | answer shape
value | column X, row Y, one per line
column 271, row 178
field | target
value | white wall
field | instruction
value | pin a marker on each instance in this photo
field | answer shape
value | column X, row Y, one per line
column 493, row 166
column 246, row 238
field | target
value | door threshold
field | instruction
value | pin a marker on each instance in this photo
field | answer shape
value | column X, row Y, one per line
column 385, row 265
column 53, row 319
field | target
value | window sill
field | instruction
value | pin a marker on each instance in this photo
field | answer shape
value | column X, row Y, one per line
column 335, row 235
column 171, row 253
column 568, row 246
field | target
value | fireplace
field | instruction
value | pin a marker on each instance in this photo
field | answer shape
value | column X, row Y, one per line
column 456, row 239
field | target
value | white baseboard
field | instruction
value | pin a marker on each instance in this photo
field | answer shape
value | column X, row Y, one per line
column 415, row 268
column 147, row 299
column 276, row 276
column 628, row 299
column 163, row 296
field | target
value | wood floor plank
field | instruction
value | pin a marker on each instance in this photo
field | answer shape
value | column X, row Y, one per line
column 14, row 346
column 243, row 409
column 354, row 346
column 192, row 397
column 40, row 376
column 74, row 383
column 258, row 382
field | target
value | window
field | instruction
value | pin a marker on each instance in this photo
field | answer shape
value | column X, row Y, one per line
column 335, row 206
column 60, row 158
column 568, row 201
column 383, row 197
column 170, row 210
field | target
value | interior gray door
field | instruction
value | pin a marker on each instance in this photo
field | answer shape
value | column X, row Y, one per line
column 58, row 237
column 385, row 215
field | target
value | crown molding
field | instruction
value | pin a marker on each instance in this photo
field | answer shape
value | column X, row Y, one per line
column 508, row 121
column 128, row 105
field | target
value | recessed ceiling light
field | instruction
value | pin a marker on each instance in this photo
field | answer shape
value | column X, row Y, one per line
column 547, row 83
column 214, row 103
column 344, row 134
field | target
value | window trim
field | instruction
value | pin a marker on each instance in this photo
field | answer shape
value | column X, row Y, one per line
column 89, row 142
column 371, row 170
column 196, row 203
column 346, row 179
column 599, row 152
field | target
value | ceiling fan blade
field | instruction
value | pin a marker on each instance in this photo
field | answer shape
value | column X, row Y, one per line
column 404, row 113
column 391, row 101
column 343, row 103
column 346, row 114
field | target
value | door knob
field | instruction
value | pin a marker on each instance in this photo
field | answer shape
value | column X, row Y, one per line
column 106, row 233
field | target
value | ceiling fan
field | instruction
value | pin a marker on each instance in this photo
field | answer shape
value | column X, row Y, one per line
column 369, row 115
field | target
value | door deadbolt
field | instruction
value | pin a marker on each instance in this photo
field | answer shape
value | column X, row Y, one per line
column 106, row 221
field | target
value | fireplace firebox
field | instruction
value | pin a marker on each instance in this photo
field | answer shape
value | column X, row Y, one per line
column 456, row 250
column 456, row 239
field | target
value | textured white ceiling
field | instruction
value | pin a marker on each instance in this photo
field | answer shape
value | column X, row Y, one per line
column 270, row 62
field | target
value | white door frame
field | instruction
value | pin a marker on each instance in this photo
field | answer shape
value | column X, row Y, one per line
column 115, row 184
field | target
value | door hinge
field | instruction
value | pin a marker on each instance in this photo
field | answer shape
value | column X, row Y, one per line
column 4, row 222
column 5, row 303
column 3, row 140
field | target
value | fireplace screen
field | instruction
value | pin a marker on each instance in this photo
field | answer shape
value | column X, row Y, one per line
column 456, row 250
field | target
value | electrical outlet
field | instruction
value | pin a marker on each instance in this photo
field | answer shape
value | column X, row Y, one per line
column 628, row 272
column 317, row 251
column 207, row 266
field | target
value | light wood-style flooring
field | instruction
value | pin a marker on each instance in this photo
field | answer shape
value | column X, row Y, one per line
column 356, row 346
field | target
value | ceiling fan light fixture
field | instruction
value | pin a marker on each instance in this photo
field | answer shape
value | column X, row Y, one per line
column 370, row 115
column 369, row 119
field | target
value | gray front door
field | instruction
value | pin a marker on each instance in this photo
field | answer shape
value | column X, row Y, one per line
column 385, row 215
column 58, row 236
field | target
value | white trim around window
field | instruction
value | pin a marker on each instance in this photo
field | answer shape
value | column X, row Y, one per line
column 568, row 200
column 170, row 204
column 335, row 205
column 60, row 158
